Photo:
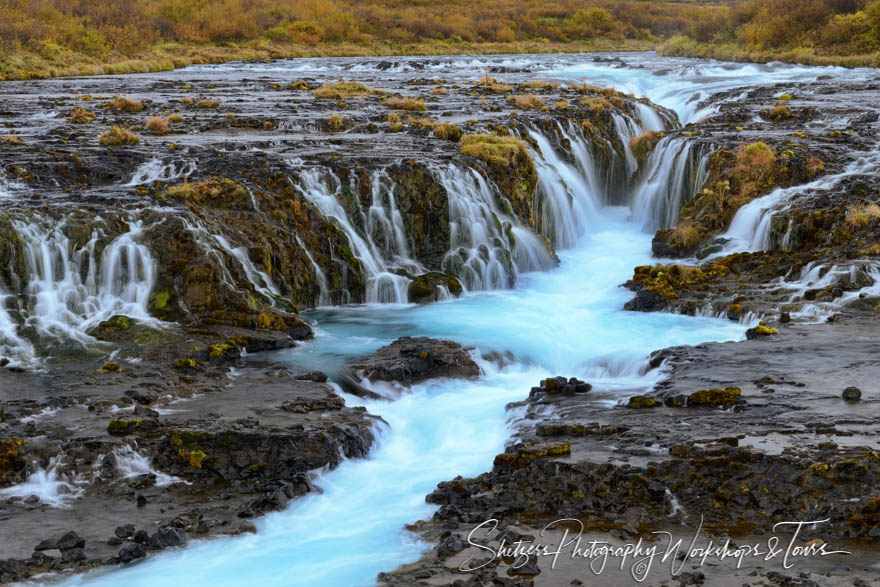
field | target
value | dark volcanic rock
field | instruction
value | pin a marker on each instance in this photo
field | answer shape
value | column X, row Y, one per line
column 409, row 360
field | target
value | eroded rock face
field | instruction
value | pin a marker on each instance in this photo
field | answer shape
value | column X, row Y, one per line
column 409, row 360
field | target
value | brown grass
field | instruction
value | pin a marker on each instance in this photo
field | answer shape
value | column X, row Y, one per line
column 686, row 234
column 595, row 104
column 439, row 91
column 13, row 139
column 493, row 149
column 206, row 103
column 527, row 101
column 540, row 85
column 447, row 131
column 125, row 104
column 158, row 125
column 118, row 136
column 341, row 90
column 175, row 118
column 335, row 123
column 406, row 103
column 859, row 215
column 780, row 112
column 81, row 115
column 644, row 143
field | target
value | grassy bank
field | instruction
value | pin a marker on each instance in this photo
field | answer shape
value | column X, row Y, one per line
column 42, row 38
column 812, row 32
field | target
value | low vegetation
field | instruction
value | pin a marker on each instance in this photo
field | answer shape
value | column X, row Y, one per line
column 118, row 136
column 335, row 123
column 527, row 101
column 158, row 125
column 493, row 149
column 125, row 104
column 341, row 90
column 81, row 116
column 816, row 32
column 43, row 38
column 406, row 103
column 644, row 143
column 447, row 131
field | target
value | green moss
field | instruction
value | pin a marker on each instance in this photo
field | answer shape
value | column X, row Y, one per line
column 187, row 363
column 160, row 302
column 123, row 323
column 641, row 401
column 716, row 397
column 218, row 350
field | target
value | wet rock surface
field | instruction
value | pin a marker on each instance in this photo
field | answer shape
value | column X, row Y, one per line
column 147, row 457
column 409, row 360
column 740, row 435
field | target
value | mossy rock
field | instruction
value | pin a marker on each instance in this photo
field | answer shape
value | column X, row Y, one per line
column 716, row 397
column 642, row 401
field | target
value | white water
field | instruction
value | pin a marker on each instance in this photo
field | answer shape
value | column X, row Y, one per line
column 51, row 486
column 130, row 463
column 70, row 289
column 158, row 170
column 672, row 179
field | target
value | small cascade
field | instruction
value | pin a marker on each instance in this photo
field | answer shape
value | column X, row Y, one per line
column 567, row 199
column 323, row 287
column 158, row 170
column 15, row 349
column 750, row 229
column 131, row 463
column 627, row 130
column 487, row 247
column 649, row 118
column 383, row 285
column 674, row 171
column 385, row 223
column 69, row 291
column 260, row 280
column 50, row 485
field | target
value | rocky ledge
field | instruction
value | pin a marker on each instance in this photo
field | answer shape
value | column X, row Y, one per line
column 145, row 457
column 738, row 437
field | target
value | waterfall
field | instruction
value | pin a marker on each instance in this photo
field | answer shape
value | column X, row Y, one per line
column 487, row 247
column 674, row 171
column 383, row 286
column 649, row 118
column 323, row 287
column 68, row 291
column 567, row 199
column 750, row 228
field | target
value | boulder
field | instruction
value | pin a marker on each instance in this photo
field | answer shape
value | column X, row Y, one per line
column 410, row 360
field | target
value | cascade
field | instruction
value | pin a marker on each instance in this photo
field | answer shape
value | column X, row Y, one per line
column 69, row 291
column 674, row 171
column 750, row 229
column 567, row 199
column 383, row 286
column 487, row 247
column 158, row 170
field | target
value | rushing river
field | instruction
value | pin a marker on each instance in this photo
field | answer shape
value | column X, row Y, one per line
column 566, row 321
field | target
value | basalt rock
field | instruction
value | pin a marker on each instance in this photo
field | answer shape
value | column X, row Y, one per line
column 409, row 360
